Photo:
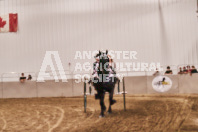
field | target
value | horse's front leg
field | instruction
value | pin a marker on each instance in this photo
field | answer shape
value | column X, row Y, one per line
column 109, row 110
column 102, row 105
column 111, row 101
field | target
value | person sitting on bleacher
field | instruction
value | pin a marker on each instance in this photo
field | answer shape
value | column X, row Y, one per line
column 22, row 78
column 29, row 77
column 193, row 70
column 180, row 71
column 189, row 69
column 157, row 73
column 185, row 71
column 168, row 71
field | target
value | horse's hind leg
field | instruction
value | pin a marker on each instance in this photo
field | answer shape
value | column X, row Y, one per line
column 102, row 105
column 111, row 101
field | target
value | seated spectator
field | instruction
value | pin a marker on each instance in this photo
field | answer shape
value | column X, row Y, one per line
column 180, row 71
column 168, row 71
column 29, row 77
column 193, row 70
column 157, row 73
column 189, row 69
column 185, row 71
column 22, row 78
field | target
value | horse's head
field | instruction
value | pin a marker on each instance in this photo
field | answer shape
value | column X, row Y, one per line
column 103, row 59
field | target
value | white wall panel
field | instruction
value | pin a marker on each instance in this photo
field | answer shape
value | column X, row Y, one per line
column 160, row 31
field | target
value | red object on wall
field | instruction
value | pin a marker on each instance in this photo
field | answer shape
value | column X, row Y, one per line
column 13, row 22
column 2, row 23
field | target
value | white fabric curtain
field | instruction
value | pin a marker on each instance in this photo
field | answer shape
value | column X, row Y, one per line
column 162, row 31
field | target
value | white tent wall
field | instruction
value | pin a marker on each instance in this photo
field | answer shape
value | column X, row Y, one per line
column 162, row 31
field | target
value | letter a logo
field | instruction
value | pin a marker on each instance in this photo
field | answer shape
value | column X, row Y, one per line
column 48, row 62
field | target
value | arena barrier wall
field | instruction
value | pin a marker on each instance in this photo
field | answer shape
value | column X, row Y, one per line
column 78, row 88
column 51, row 88
column 19, row 90
column 136, row 85
column 68, row 88
column 188, row 84
column 133, row 85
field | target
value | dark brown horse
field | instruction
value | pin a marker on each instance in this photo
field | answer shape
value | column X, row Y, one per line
column 104, row 82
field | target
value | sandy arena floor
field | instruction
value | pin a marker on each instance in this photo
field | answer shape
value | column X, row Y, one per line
column 144, row 114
